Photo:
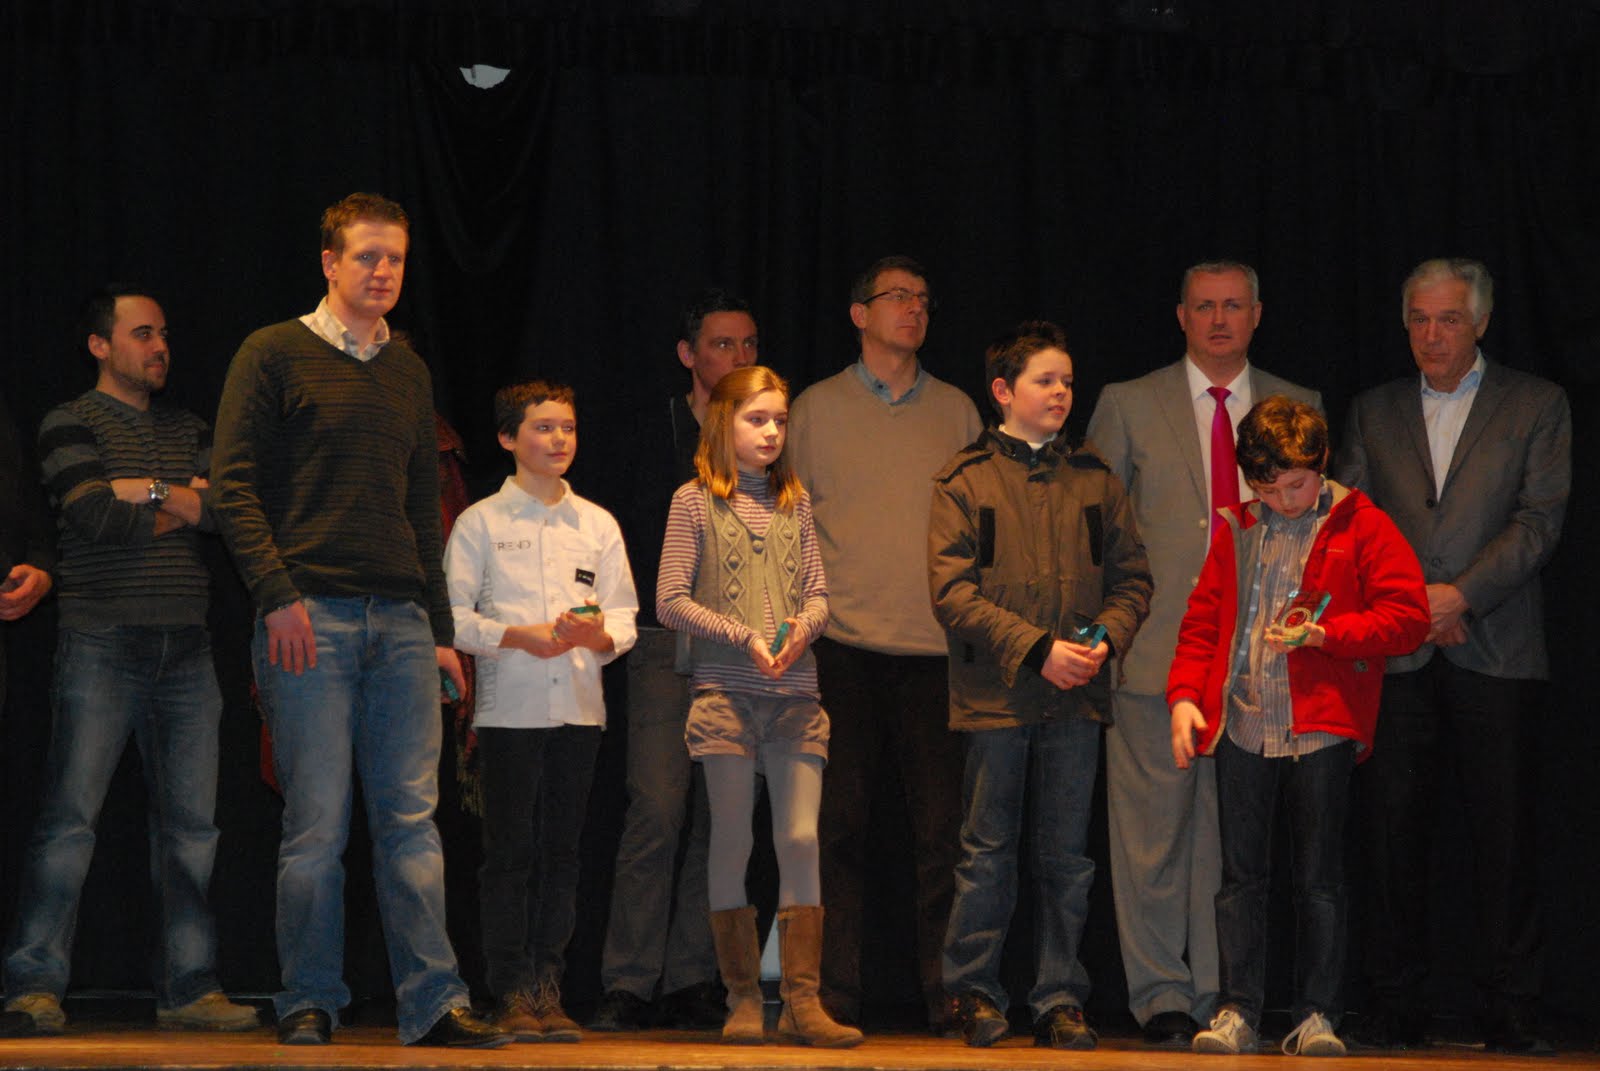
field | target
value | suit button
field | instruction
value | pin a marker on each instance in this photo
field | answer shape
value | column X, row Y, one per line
column 1203, row 522
column 1430, row 503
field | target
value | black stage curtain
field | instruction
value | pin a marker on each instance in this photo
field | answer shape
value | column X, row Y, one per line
column 1064, row 160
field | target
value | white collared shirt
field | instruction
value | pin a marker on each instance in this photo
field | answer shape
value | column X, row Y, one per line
column 328, row 327
column 513, row 560
column 1444, row 415
column 1205, row 406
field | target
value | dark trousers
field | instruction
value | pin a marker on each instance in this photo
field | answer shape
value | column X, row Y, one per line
column 1483, row 727
column 886, row 709
column 535, row 792
column 1315, row 793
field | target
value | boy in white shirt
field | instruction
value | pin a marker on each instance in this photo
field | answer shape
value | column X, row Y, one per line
column 541, row 592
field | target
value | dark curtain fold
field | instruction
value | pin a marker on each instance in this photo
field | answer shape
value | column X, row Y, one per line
column 1044, row 159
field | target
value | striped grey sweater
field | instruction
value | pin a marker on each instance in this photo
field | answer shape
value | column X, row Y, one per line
column 327, row 476
column 113, row 570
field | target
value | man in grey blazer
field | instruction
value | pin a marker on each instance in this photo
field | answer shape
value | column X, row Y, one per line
column 1473, row 460
column 1155, row 432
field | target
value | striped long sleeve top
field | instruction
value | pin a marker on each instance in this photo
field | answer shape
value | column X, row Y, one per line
column 113, row 568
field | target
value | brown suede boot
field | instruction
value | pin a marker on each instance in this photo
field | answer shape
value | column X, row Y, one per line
column 739, row 960
column 804, row 1020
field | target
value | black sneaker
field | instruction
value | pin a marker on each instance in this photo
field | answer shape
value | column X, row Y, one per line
column 1169, row 1030
column 1062, row 1027
column 621, row 1010
column 702, row 1006
column 982, row 1021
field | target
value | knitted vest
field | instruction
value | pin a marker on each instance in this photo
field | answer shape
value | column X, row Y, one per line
column 738, row 569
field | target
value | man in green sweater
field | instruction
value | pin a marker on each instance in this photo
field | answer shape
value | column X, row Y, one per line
column 328, row 496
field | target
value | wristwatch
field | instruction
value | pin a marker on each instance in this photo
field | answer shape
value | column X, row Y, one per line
column 159, row 490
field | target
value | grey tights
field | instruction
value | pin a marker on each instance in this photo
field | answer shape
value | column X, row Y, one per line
column 794, row 789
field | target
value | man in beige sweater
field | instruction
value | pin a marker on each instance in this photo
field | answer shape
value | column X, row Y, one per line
column 866, row 443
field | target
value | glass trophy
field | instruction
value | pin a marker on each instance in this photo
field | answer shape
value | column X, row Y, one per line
column 1302, row 609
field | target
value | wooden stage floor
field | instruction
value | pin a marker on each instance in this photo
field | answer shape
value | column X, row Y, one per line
column 101, row 1045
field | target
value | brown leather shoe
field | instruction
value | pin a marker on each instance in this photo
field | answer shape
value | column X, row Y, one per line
column 515, row 1015
column 558, row 1025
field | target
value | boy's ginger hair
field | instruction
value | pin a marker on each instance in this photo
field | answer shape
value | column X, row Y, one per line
column 1279, row 434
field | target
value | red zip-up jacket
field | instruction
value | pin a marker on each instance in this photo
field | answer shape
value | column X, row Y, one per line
column 1379, row 608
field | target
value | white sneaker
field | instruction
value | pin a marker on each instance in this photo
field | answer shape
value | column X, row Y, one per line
column 1229, row 1035
column 1313, row 1037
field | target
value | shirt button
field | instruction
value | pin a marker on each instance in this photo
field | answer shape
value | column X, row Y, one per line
column 1203, row 522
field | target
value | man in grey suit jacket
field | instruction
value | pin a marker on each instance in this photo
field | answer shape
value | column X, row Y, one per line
column 1474, row 463
column 1165, row 859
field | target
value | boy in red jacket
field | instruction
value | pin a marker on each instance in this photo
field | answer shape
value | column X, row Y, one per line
column 1277, row 672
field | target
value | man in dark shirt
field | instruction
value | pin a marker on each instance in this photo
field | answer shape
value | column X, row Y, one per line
column 328, row 496
column 659, row 935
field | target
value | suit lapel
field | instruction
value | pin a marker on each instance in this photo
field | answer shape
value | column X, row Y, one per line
column 1408, row 414
column 1491, row 392
column 1177, row 407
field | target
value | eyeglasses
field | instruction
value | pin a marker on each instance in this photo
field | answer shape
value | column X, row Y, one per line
column 899, row 295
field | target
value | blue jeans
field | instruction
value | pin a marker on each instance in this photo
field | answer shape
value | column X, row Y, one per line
column 1316, row 791
column 158, row 686
column 371, row 705
column 1051, row 765
column 658, row 935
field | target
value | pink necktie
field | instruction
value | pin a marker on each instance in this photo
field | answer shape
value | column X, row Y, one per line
column 1224, row 467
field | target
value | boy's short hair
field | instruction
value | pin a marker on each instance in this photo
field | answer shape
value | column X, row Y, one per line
column 1279, row 434
column 355, row 208
column 511, row 403
column 1010, row 353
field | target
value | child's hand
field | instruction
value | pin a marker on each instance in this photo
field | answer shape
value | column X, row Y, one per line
column 793, row 647
column 1284, row 640
column 763, row 658
column 539, row 640
column 1186, row 722
column 584, row 630
column 1069, row 665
